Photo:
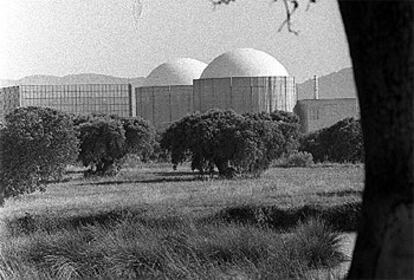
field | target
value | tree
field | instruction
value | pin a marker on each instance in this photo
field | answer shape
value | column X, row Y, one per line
column 139, row 137
column 232, row 143
column 102, row 145
column 106, row 139
column 288, row 123
column 341, row 142
column 38, row 144
column 381, row 42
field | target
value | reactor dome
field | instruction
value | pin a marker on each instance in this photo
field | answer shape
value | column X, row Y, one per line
column 245, row 62
column 181, row 71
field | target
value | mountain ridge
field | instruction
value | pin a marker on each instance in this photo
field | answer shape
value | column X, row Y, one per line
column 82, row 78
column 340, row 84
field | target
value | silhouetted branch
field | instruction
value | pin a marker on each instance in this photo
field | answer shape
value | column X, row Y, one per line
column 290, row 7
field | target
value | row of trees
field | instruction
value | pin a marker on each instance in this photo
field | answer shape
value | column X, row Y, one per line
column 41, row 142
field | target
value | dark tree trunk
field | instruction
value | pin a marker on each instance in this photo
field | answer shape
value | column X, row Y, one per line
column 381, row 42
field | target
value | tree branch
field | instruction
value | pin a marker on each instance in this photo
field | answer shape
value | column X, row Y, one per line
column 290, row 7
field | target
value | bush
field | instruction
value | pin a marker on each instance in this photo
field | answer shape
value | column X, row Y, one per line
column 105, row 140
column 288, row 124
column 342, row 142
column 102, row 145
column 139, row 137
column 223, row 139
column 299, row 159
column 40, row 143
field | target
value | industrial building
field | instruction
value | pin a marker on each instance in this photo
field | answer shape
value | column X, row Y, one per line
column 315, row 114
column 167, row 94
column 77, row 99
column 244, row 80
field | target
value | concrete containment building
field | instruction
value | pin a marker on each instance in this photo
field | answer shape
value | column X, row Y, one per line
column 245, row 80
column 167, row 94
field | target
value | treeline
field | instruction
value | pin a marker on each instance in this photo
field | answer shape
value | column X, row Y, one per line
column 39, row 143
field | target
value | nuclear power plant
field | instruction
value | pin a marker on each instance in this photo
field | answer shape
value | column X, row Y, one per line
column 243, row 80
column 167, row 93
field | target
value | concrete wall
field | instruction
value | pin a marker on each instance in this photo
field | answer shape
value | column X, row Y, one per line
column 80, row 99
column 316, row 114
column 245, row 94
column 9, row 100
column 163, row 105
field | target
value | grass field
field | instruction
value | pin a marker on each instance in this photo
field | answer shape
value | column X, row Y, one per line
column 228, row 226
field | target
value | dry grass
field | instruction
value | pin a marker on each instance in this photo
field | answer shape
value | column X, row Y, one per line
column 162, row 188
column 155, row 223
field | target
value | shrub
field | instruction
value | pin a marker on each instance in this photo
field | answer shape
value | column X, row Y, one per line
column 105, row 140
column 341, row 142
column 159, row 154
column 102, row 145
column 40, row 143
column 299, row 159
column 288, row 123
column 139, row 137
column 223, row 139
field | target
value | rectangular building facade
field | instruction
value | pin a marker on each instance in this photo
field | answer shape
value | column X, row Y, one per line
column 80, row 99
column 245, row 94
column 316, row 114
column 163, row 105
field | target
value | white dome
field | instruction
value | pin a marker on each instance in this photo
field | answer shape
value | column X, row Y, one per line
column 244, row 62
column 181, row 71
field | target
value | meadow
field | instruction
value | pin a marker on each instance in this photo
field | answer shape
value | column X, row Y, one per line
column 152, row 222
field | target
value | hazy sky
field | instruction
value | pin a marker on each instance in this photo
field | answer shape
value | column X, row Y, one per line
column 60, row 37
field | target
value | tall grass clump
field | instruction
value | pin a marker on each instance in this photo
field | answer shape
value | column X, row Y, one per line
column 185, row 249
column 316, row 244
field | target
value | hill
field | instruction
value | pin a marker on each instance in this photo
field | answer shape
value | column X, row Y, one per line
column 339, row 84
column 85, row 78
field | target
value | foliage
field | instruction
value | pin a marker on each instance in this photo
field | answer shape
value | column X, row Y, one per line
column 341, row 142
column 139, row 137
column 299, row 159
column 102, row 145
column 105, row 140
column 38, row 144
column 288, row 123
column 158, row 153
column 226, row 140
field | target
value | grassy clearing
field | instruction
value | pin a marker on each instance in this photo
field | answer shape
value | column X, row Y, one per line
column 155, row 223
column 160, row 188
